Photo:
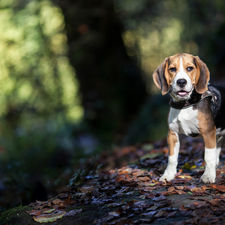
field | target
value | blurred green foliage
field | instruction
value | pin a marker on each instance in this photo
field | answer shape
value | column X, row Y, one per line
column 35, row 72
column 40, row 106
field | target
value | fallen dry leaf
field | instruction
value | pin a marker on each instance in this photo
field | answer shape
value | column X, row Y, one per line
column 220, row 188
column 34, row 212
column 215, row 202
column 45, row 218
column 57, row 201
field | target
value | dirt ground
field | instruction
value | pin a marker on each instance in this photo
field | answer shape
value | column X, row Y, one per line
column 134, row 195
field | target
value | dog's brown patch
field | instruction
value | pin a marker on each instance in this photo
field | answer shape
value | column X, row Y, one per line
column 161, row 78
column 207, row 128
column 172, row 139
column 202, row 77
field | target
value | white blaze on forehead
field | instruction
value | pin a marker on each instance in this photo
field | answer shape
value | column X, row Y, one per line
column 182, row 74
column 181, row 65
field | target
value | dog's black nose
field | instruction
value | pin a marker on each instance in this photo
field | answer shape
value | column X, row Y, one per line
column 181, row 82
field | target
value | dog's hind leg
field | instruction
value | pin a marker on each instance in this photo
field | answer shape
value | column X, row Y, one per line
column 219, row 142
column 209, row 138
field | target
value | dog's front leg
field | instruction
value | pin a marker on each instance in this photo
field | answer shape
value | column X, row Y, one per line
column 174, row 146
column 219, row 142
column 209, row 175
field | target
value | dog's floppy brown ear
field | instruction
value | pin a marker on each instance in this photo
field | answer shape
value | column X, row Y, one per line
column 161, row 77
column 202, row 77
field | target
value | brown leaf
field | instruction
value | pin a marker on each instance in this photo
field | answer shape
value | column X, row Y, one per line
column 215, row 202
column 197, row 205
column 171, row 189
column 179, row 181
column 205, row 188
column 34, row 212
column 189, row 188
column 57, row 201
column 39, row 207
column 71, row 202
column 68, row 200
column 197, row 189
column 148, row 189
column 166, row 193
column 151, row 195
column 62, row 205
column 144, row 179
column 220, row 188
column 182, row 208
column 180, row 192
column 179, row 187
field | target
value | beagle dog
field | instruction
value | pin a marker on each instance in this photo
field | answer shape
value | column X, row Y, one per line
column 196, row 109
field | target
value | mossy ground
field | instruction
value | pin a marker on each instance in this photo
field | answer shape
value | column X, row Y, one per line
column 15, row 216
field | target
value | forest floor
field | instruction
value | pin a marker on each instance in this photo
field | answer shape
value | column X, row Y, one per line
column 133, row 194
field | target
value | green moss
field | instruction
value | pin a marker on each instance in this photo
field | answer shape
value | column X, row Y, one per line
column 8, row 215
column 84, row 214
column 128, row 199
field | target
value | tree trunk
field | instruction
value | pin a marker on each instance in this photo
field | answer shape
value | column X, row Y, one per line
column 111, row 86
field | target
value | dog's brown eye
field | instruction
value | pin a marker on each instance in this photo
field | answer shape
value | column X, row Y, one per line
column 173, row 69
column 190, row 68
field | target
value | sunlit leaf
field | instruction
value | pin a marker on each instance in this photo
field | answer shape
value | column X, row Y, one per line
column 45, row 218
column 48, row 211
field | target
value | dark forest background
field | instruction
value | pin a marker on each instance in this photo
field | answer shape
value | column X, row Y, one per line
column 75, row 81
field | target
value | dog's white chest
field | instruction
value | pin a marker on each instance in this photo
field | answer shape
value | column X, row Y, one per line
column 184, row 121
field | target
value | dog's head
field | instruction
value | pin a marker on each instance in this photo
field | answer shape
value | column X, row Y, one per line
column 182, row 73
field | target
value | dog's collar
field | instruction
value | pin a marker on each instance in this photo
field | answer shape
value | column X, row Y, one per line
column 195, row 98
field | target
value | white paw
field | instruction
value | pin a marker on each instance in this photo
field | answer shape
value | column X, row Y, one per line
column 208, row 178
column 167, row 176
